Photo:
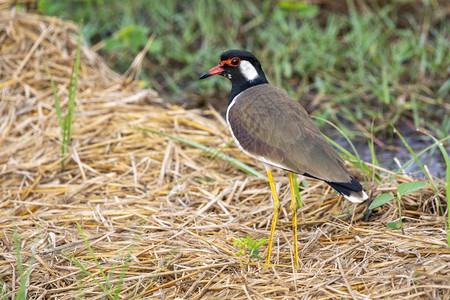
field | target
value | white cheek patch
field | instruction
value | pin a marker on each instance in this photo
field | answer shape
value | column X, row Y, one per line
column 248, row 70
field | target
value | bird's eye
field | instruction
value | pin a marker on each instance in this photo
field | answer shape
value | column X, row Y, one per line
column 235, row 62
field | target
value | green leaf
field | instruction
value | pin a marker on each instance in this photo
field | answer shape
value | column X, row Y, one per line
column 113, row 44
column 254, row 252
column 409, row 187
column 138, row 37
column 302, row 8
column 132, row 36
column 394, row 225
column 125, row 31
column 260, row 243
column 156, row 47
column 239, row 242
column 380, row 200
column 250, row 242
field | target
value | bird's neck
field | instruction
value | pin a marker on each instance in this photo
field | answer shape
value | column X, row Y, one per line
column 238, row 87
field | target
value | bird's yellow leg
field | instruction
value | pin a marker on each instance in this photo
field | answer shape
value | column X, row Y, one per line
column 294, row 218
column 276, row 207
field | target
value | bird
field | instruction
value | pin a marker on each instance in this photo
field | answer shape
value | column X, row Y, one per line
column 270, row 126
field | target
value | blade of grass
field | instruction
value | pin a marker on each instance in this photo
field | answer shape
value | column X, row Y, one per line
column 234, row 162
column 55, row 96
column 409, row 162
column 400, row 218
column 65, row 124
column 24, row 276
column 80, row 265
column 297, row 191
column 430, row 180
column 355, row 159
column 3, row 290
column 221, row 149
column 22, row 292
column 114, row 294
column 417, row 160
column 62, row 123
column 373, row 155
column 356, row 156
column 447, row 182
column 123, row 272
column 93, row 256
column 125, row 267
column 73, row 84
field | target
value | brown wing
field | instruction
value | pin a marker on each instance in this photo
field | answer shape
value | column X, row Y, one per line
column 269, row 125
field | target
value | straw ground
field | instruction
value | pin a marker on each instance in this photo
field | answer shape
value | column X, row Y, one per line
column 160, row 217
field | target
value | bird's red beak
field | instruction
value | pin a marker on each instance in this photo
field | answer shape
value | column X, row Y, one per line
column 213, row 71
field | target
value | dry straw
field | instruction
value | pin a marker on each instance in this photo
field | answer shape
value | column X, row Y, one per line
column 166, row 211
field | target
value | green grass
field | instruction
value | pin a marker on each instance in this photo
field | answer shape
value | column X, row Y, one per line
column 66, row 122
column 24, row 275
column 112, row 292
column 402, row 189
column 367, row 58
column 297, row 191
column 250, row 245
column 105, row 287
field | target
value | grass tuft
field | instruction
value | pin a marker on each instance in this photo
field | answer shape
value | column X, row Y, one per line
column 66, row 123
column 107, row 288
column 384, row 57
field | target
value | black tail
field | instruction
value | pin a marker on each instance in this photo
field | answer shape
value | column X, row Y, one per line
column 353, row 190
column 346, row 188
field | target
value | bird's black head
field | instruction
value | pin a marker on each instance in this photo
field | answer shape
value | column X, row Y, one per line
column 241, row 67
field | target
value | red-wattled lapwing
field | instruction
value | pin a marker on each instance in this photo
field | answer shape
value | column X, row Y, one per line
column 267, row 124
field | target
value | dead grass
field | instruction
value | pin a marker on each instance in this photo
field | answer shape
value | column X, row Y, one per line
column 171, row 208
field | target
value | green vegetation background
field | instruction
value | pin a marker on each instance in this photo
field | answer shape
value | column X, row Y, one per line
column 385, row 62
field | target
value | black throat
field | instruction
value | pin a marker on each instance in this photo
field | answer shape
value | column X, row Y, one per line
column 238, row 86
